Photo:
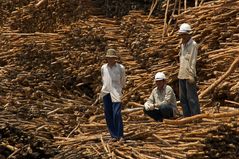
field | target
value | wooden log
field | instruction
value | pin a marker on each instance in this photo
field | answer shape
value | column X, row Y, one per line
column 40, row 3
column 163, row 156
column 100, row 116
column 200, row 116
column 103, row 144
column 233, row 66
column 173, row 154
column 165, row 28
column 53, row 111
column 186, row 120
column 12, row 148
column 134, row 89
column 73, row 130
column 232, row 102
column 122, row 154
column 14, row 153
column 226, row 114
column 154, row 4
column 161, row 140
column 135, row 104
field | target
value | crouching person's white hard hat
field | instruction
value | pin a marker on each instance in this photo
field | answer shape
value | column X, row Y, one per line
column 185, row 28
column 159, row 76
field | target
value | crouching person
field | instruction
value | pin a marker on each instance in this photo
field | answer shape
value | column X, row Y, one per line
column 162, row 101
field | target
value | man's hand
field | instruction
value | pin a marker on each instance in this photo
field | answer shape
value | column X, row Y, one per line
column 146, row 107
column 191, row 80
column 149, row 107
column 156, row 106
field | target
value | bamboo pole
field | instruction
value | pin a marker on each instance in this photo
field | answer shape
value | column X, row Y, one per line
column 201, row 2
column 154, row 4
column 185, row 5
column 174, row 8
column 196, row 3
column 171, row 18
column 165, row 27
column 179, row 7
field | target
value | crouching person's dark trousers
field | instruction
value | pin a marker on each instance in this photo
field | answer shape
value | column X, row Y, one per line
column 113, row 117
column 164, row 112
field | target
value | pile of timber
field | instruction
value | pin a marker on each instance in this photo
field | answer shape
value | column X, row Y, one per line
column 49, row 15
column 44, row 15
column 6, row 7
column 201, row 136
column 16, row 143
column 49, row 82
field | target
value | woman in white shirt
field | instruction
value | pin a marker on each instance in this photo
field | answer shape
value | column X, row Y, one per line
column 113, row 78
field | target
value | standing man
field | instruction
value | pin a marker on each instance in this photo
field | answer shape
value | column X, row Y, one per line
column 162, row 101
column 113, row 78
column 187, row 72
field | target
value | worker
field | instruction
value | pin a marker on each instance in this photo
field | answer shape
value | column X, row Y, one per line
column 162, row 101
column 187, row 72
column 113, row 78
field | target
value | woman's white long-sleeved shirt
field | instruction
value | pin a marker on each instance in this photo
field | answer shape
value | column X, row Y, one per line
column 113, row 79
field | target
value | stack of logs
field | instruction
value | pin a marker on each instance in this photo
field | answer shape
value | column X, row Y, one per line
column 49, row 82
column 44, row 15
column 203, row 138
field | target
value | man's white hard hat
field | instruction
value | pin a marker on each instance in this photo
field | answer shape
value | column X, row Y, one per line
column 185, row 28
column 160, row 76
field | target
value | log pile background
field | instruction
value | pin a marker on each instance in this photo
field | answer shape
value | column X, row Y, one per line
column 50, row 58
